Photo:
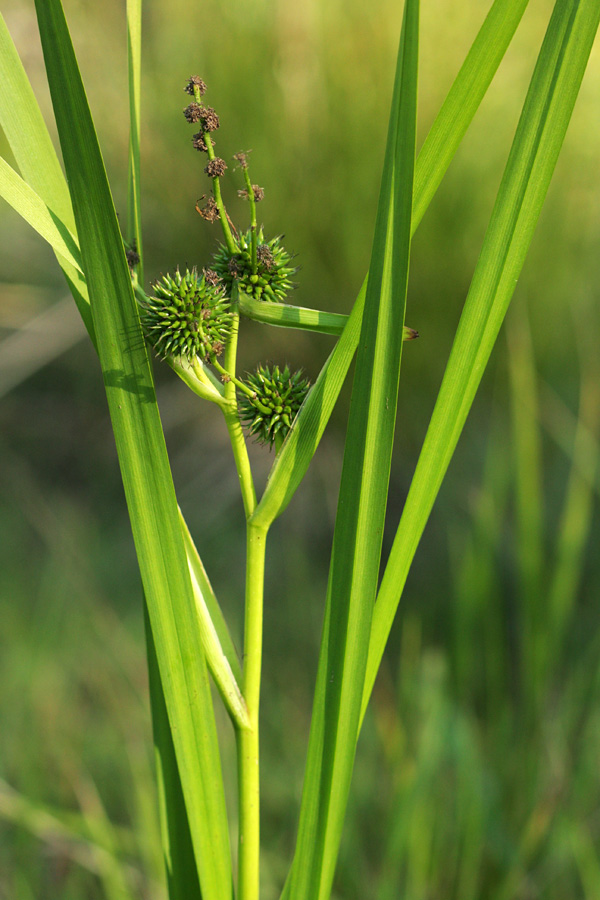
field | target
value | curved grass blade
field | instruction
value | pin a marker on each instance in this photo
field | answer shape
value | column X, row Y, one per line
column 32, row 208
column 303, row 439
column 134, row 67
column 446, row 133
column 361, row 509
column 27, row 135
column 178, row 851
column 26, row 132
column 540, row 133
column 526, row 446
column 220, row 652
column 464, row 97
column 144, row 464
column 286, row 316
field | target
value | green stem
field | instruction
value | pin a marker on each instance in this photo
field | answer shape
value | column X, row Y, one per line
column 236, row 435
column 201, row 386
column 248, row 741
column 287, row 316
column 242, row 463
column 231, row 244
column 231, row 379
column 253, row 228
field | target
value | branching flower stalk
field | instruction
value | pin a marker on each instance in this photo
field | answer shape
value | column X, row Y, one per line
column 191, row 319
column 192, row 322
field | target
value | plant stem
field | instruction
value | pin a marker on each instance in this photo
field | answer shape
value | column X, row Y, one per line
column 231, row 245
column 248, row 741
column 250, row 190
column 232, row 378
column 236, row 435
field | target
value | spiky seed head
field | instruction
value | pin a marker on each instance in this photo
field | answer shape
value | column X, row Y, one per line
column 279, row 394
column 272, row 278
column 187, row 316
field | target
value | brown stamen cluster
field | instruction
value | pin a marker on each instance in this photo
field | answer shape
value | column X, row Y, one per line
column 264, row 254
column 211, row 277
column 210, row 120
column 132, row 257
column 194, row 84
column 241, row 158
column 209, row 211
column 199, row 142
column 257, row 192
column 216, row 167
column 193, row 113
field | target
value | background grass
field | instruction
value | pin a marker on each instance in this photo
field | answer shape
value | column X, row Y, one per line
column 477, row 770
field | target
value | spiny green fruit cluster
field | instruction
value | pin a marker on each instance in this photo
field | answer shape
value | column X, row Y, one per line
column 278, row 397
column 271, row 281
column 188, row 316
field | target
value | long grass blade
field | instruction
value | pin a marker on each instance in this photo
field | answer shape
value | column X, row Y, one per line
column 178, row 850
column 134, row 67
column 363, row 491
column 144, row 464
column 32, row 208
column 27, row 135
column 23, row 124
column 283, row 315
column 464, row 97
column 529, row 508
column 448, row 129
column 575, row 520
column 221, row 655
column 540, row 133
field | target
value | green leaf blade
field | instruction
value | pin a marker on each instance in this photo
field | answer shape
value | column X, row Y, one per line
column 463, row 100
column 32, row 208
column 144, row 465
column 361, row 508
column 27, row 135
column 134, row 67
column 540, row 133
column 450, row 126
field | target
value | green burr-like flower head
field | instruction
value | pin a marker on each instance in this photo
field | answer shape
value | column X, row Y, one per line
column 279, row 394
column 188, row 316
column 271, row 281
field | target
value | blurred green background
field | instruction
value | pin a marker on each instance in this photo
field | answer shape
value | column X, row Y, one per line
column 478, row 769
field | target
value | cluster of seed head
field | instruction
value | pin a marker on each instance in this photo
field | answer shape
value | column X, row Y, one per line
column 277, row 397
column 271, row 281
column 188, row 316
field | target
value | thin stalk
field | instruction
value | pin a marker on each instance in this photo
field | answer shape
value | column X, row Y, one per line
column 231, row 245
column 253, row 229
column 233, row 379
column 196, row 380
column 134, row 214
column 248, row 741
column 236, row 435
